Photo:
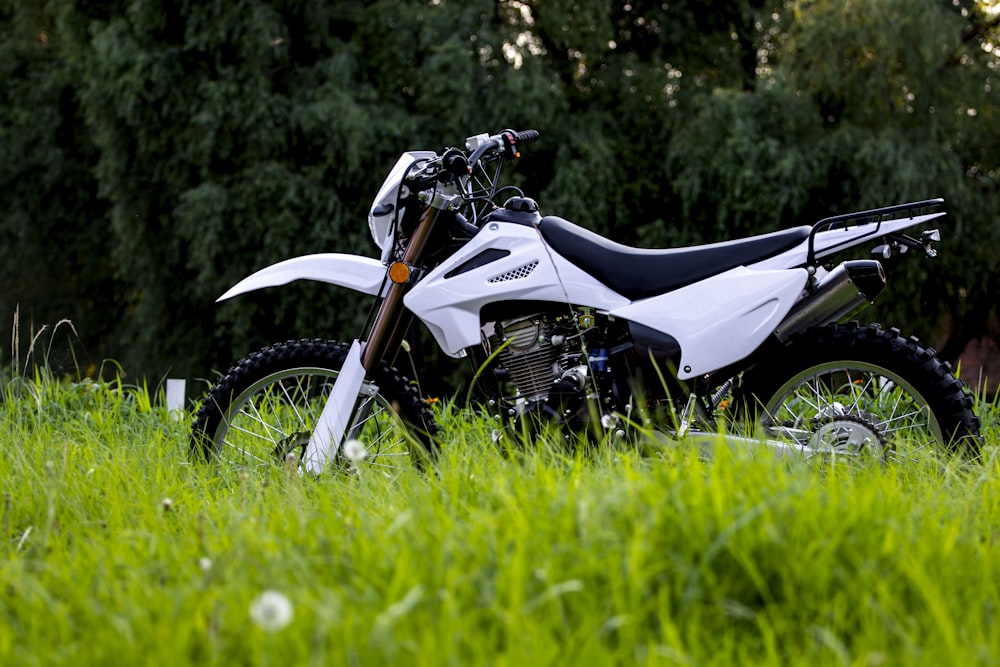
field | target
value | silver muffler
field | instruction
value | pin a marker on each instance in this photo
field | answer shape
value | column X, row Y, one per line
column 839, row 294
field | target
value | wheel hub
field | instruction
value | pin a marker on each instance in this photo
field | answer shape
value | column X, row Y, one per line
column 848, row 434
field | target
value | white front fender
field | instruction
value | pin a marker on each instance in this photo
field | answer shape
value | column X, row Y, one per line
column 362, row 274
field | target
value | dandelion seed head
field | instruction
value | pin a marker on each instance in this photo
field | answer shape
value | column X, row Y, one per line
column 355, row 451
column 271, row 611
column 205, row 564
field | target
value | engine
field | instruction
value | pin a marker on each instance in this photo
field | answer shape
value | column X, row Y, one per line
column 529, row 355
column 553, row 362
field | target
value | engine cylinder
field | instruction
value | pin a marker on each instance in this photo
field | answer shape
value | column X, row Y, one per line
column 529, row 356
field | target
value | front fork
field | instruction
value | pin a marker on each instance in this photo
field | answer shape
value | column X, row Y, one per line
column 342, row 413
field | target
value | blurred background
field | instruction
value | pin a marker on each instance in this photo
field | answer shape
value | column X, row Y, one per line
column 153, row 152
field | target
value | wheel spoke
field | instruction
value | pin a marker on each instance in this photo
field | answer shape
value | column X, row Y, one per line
column 291, row 403
column 895, row 406
column 815, row 390
column 907, row 416
column 247, row 455
column 253, row 434
column 907, row 427
column 861, row 392
column 256, row 417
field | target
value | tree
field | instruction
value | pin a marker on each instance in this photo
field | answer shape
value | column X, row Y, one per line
column 905, row 109
column 235, row 134
column 53, row 223
column 175, row 147
column 856, row 106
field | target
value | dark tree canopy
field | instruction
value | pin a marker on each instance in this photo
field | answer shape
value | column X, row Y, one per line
column 156, row 152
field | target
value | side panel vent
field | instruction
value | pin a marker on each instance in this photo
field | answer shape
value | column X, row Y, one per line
column 482, row 259
column 514, row 274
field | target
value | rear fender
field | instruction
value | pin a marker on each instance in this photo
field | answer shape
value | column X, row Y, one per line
column 720, row 320
column 362, row 274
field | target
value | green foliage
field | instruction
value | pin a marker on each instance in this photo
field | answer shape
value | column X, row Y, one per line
column 52, row 222
column 907, row 118
column 860, row 105
column 157, row 152
column 748, row 161
column 114, row 548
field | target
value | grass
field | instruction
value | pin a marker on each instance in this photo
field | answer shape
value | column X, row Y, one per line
column 117, row 550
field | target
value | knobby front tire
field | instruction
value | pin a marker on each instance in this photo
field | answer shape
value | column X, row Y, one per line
column 263, row 411
column 856, row 389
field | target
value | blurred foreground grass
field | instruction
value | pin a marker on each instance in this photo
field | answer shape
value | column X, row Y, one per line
column 117, row 550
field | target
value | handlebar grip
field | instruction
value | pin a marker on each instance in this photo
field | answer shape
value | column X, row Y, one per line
column 526, row 136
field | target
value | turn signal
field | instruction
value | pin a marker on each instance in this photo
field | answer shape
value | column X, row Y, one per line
column 399, row 272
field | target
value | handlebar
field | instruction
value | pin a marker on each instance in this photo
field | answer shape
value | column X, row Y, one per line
column 526, row 136
column 505, row 142
column 455, row 169
column 457, row 163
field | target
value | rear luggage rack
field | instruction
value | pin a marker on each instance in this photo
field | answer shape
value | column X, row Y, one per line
column 875, row 215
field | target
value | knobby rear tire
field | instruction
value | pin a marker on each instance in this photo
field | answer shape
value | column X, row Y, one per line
column 264, row 409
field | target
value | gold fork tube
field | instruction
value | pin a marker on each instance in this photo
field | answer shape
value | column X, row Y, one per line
column 386, row 333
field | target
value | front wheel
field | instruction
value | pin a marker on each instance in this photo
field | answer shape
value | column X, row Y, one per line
column 860, row 390
column 264, row 409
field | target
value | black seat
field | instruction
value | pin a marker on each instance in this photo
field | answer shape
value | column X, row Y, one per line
column 636, row 273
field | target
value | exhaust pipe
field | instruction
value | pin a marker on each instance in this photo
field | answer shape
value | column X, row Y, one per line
column 839, row 294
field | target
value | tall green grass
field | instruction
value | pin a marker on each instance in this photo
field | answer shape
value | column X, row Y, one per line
column 117, row 550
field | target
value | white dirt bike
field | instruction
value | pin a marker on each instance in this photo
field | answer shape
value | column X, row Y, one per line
column 569, row 328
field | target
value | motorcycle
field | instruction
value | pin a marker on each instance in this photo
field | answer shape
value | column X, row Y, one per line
column 739, row 342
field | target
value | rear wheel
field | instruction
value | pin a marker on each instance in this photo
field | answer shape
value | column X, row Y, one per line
column 263, row 412
column 861, row 390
